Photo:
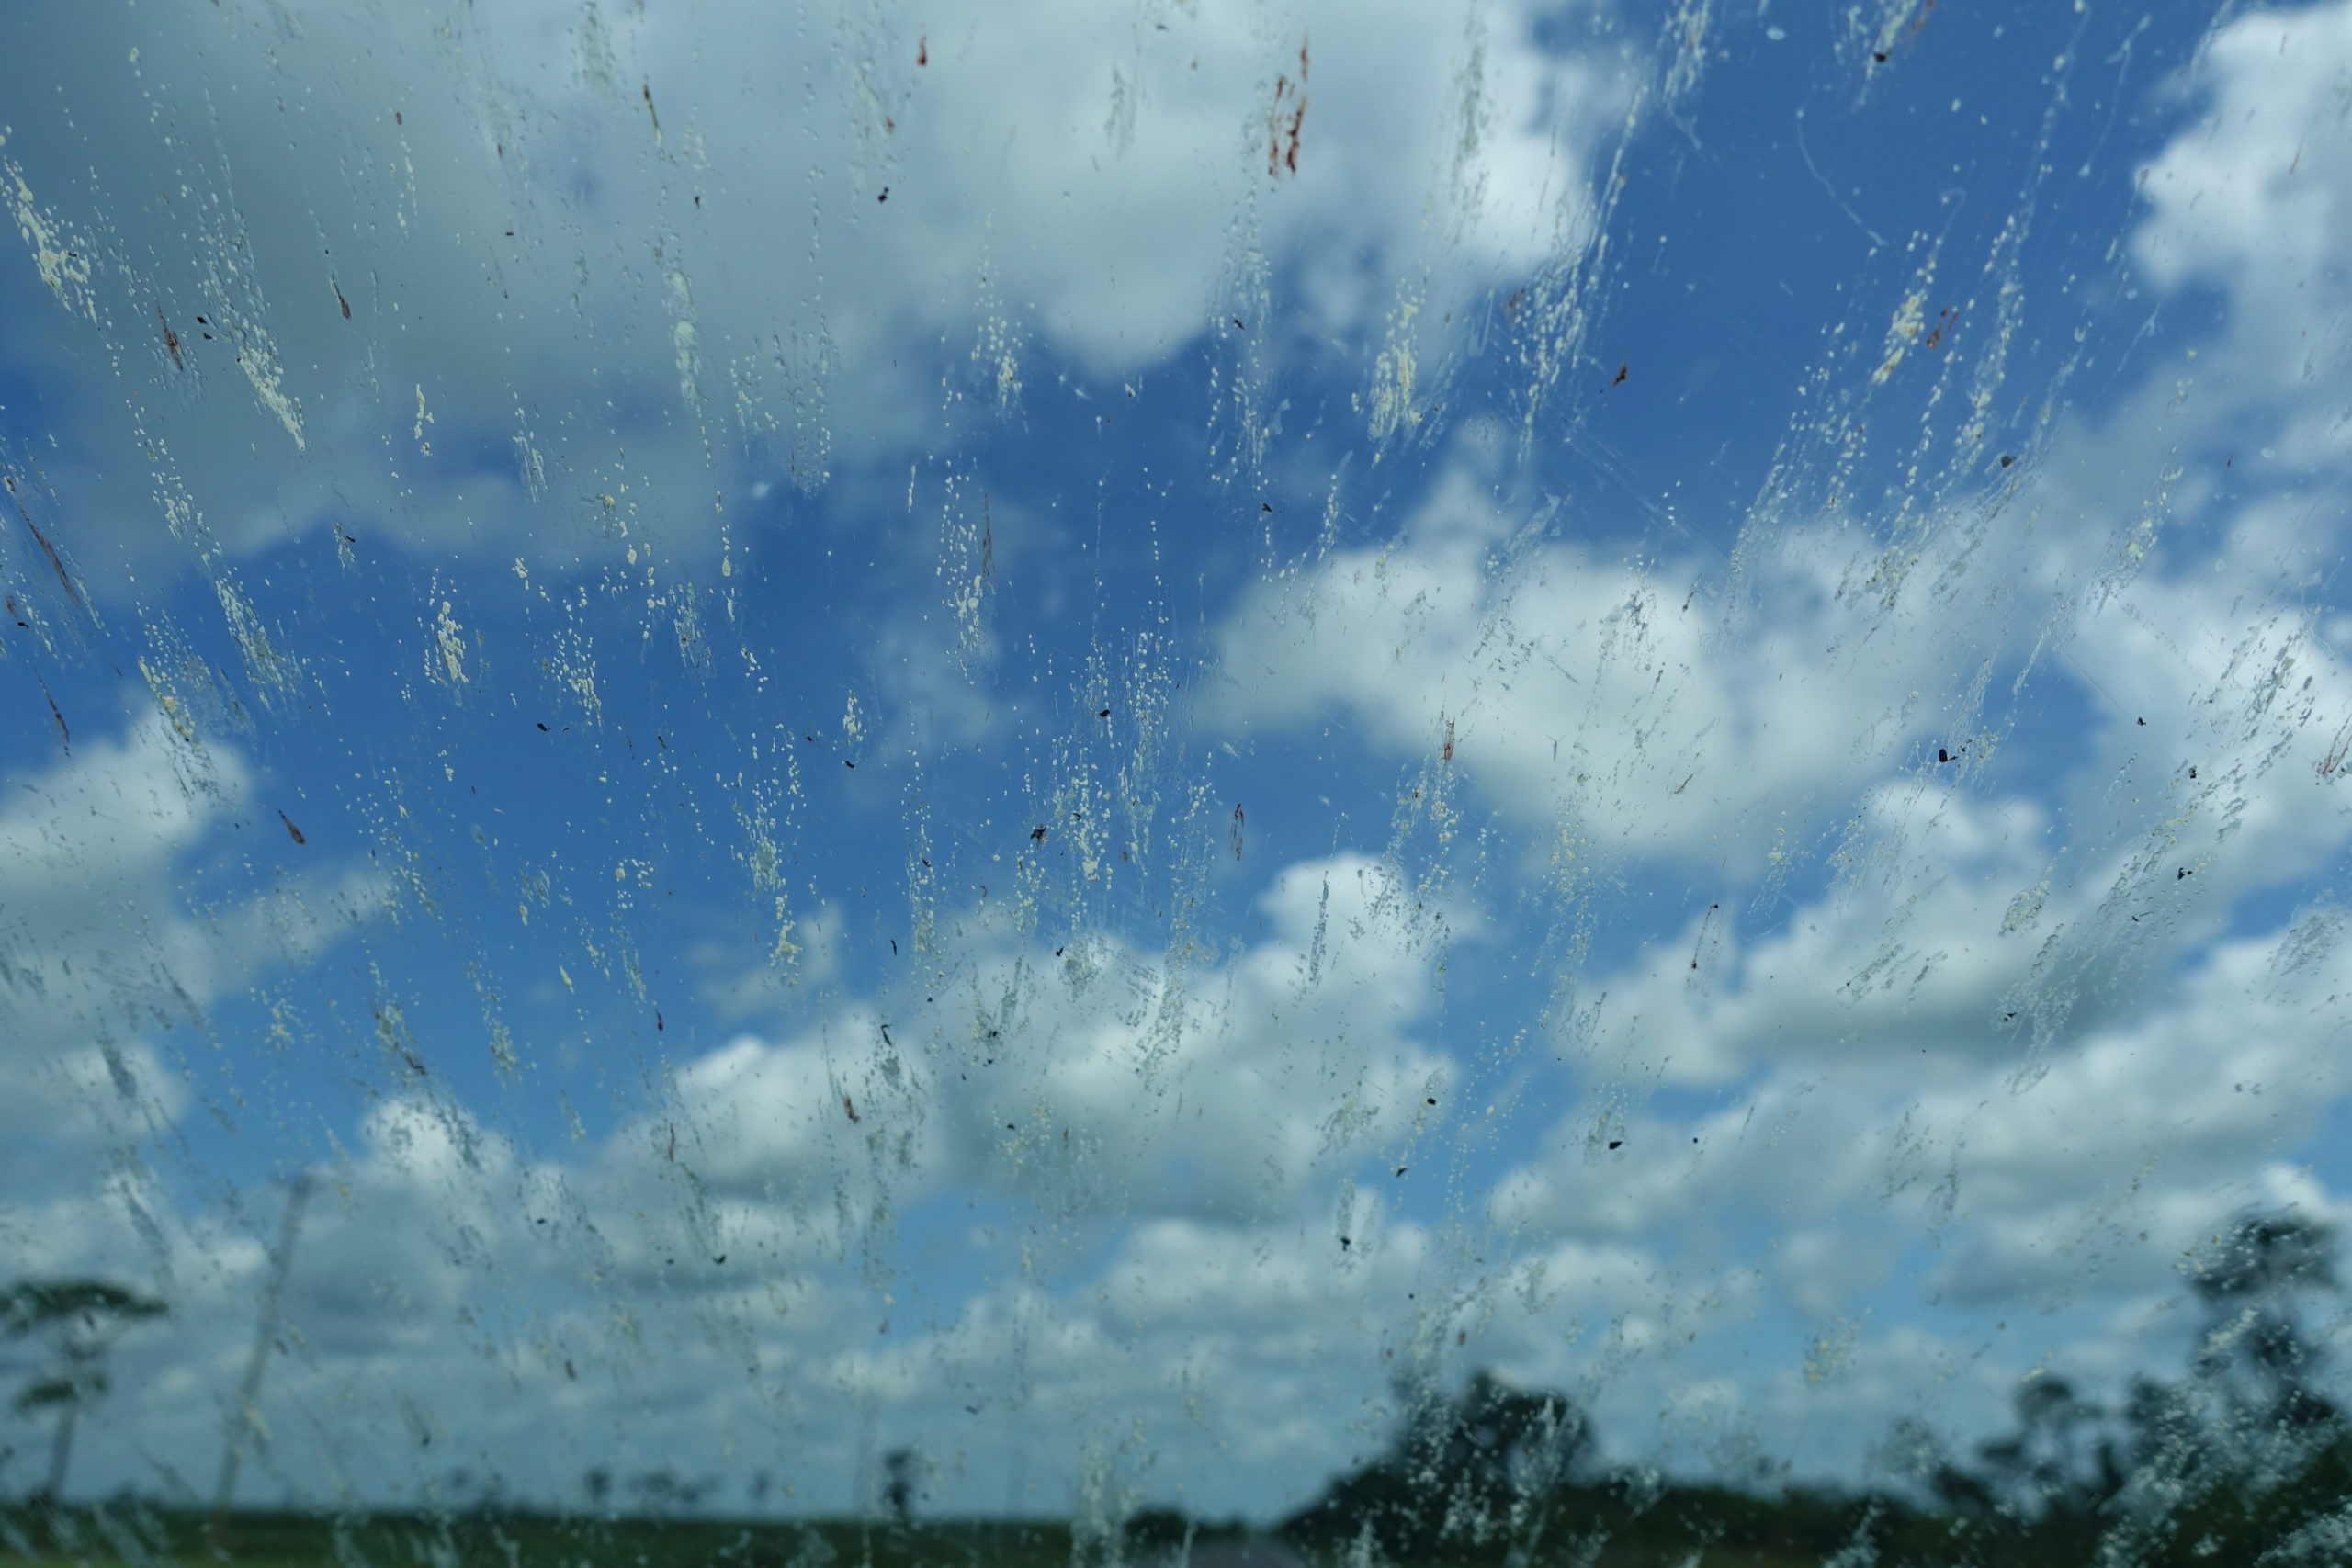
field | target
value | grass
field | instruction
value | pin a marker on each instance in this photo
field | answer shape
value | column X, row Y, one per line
column 142, row 1535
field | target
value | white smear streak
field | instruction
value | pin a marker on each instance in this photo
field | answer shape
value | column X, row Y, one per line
column 63, row 263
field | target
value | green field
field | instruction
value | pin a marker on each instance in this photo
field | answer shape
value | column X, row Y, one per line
column 1686, row 1531
column 139, row 1535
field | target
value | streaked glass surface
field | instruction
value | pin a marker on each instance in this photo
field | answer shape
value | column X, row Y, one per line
column 1450, row 782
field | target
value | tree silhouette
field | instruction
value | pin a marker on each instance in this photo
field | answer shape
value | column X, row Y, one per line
column 2057, row 1465
column 2254, row 1347
column 1468, row 1471
column 79, row 1320
column 2245, row 1453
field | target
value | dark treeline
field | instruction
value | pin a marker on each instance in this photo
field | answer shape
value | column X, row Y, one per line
column 2241, row 1458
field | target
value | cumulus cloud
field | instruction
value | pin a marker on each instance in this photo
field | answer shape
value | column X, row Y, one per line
column 102, row 948
column 567, row 278
column 1165, row 1149
column 2253, row 198
column 1845, row 1105
column 1102, row 1081
column 1642, row 708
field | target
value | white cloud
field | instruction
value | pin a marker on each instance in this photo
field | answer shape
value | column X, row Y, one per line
column 1634, row 706
column 103, row 946
column 535, row 281
column 1103, row 1080
column 1164, row 1154
column 2254, row 198
column 454, row 1288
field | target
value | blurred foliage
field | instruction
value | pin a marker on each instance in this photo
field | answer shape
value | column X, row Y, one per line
column 74, row 1322
column 89, row 1305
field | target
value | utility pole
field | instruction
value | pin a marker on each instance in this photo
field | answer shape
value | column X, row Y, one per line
column 243, row 1419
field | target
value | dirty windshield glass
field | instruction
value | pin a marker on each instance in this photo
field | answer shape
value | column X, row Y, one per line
column 1174, row 782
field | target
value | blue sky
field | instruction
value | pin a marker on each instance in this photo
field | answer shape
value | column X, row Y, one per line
column 1659, row 710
